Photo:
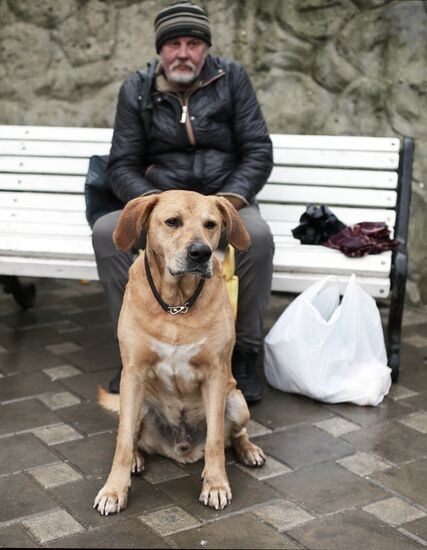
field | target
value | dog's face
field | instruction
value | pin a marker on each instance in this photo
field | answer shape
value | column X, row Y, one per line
column 183, row 228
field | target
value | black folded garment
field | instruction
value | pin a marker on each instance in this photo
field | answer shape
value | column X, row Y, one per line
column 317, row 225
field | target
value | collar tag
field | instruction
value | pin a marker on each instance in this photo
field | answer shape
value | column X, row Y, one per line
column 177, row 309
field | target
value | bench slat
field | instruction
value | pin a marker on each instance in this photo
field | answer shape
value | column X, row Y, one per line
column 52, row 246
column 298, row 282
column 338, row 159
column 45, row 165
column 54, row 148
column 56, row 133
column 29, row 229
column 347, row 143
column 35, row 182
column 349, row 216
column 373, row 179
column 314, row 259
column 43, row 201
column 58, row 268
column 328, row 195
column 58, row 217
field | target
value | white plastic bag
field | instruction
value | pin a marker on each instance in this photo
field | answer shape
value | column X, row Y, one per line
column 330, row 352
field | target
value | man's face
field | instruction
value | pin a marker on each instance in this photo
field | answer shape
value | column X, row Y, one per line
column 183, row 58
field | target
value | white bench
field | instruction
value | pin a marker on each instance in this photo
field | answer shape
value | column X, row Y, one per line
column 44, row 232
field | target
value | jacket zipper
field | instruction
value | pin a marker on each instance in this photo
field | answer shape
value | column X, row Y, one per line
column 185, row 115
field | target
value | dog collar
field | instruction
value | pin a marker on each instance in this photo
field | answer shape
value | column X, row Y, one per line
column 173, row 310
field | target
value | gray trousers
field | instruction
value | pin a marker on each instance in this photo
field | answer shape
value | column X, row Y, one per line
column 253, row 267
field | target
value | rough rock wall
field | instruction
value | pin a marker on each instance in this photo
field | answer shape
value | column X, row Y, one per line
column 320, row 66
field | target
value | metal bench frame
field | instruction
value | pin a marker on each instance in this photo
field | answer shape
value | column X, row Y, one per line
column 41, row 167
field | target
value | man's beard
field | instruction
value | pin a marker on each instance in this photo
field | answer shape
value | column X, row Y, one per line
column 180, row 77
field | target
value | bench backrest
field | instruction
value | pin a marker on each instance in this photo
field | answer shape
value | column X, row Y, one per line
column 42, row 172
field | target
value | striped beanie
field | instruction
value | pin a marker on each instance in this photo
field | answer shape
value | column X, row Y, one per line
column 181, row 19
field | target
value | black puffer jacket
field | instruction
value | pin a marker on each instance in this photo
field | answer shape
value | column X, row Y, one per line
column 223, row 147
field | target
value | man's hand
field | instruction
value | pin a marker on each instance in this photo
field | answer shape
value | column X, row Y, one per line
column 237, row 202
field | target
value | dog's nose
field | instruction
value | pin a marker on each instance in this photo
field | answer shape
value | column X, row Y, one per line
column 199, row 252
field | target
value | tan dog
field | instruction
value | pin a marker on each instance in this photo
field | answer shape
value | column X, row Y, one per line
column 178, row 397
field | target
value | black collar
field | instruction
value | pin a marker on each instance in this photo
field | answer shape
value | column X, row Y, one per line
column 171, row 309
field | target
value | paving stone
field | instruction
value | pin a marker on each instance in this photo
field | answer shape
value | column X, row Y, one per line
column 36, row 337
column 93, row 315
column 95, row 357
column 62, row 348
column 86, row 385
column 23, row 386
column 271, row 468
column 25, row 415
column 369, row 416
column 22, row 452
column 240, row 531
column 78, row 498
column 283, row 515
column 417, row 402
column 159, row 469
column 92, row 455
column 363, row 464
column 15, row 536
column 416, row 340
column 246, row 491
column 398, row 392
column 394, row 511
column 354, row 529
column 170, row 520
column 416, row 421
column 303, row 445
column 418, row 528
column 326, row 488
column 23, row 497
column 393, row 442
column 413, row 317
column 60, row 400
column 26, row 360
column 256, row 429
column 55, row 525
column 89, row 418
column 64, row 371
column 52, row 476
column 409, row 480
column 127, row 533
column 278, row 409
column 55, row 435
column 337, row 426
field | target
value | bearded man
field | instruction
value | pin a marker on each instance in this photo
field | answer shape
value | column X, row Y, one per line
column 192, row 121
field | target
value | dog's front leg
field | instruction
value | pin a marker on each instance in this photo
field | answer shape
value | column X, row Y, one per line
column 113, row 496
column 216, row 490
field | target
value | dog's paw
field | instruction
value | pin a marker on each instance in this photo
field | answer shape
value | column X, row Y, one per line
column 216, row 495
column 110, row 501
column 250, row 455
column 138, row 465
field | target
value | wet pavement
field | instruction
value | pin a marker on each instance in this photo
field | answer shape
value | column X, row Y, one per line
column 337, row 476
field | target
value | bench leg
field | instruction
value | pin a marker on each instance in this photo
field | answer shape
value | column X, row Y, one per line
column 398, row 284
column 24, row 295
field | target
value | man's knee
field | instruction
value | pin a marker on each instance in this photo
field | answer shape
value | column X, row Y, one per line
column 102, row 234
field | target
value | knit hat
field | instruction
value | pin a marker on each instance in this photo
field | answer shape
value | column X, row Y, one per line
column 181, row 19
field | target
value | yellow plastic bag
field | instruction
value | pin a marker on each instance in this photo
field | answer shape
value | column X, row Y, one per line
column 231, row 280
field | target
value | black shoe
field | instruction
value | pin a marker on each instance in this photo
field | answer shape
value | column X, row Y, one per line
column 243, row 365
column 114, row 386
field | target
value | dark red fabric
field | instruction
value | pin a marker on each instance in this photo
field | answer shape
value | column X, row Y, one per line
column 363, row 238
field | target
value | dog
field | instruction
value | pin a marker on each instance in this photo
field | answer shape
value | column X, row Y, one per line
column 177, row 396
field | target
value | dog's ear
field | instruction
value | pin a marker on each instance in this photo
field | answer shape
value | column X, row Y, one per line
column 237, row 233
column 131, row 221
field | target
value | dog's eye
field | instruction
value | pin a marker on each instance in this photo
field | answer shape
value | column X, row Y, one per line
column 210, row 224
column 173, row 222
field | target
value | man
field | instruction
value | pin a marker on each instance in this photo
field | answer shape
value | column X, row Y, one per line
column 206, row 133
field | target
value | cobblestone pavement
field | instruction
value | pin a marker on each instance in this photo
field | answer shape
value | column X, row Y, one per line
column 337, row 476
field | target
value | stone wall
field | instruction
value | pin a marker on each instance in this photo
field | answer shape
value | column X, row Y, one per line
column 319, row 66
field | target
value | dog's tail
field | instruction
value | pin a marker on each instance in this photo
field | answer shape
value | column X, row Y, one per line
column 110, row 401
